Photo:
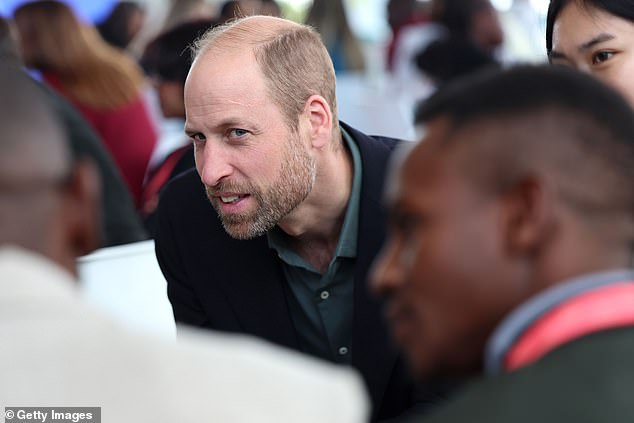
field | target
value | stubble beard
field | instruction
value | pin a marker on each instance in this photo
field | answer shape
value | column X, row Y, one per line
column 295, row 182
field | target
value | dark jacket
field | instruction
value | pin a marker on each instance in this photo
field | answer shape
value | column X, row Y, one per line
column 221, row 283
column 589, row 380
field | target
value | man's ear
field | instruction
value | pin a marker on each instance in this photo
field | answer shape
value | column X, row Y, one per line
column 82, row 211
column 319, row 119
column 529, row 215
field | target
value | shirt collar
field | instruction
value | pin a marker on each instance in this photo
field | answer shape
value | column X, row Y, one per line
column 347, row 244
column 523, row 316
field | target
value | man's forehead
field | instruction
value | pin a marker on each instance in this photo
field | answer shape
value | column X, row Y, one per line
column 413, row 172
column 215, row 90
column 394, row 171
column 456, row 142
column 236, row 74
column 420, row 169
column 433, row 165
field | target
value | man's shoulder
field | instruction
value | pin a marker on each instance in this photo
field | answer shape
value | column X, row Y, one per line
column 184, row 198
column 279, row 379
column 373, row 143
column 204, row 365
column 554, row 386
column 185, row 216
column 495, row 399
column 185, row 184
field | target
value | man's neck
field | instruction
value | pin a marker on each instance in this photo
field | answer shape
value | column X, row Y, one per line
column 315, row 225
column 319, row 253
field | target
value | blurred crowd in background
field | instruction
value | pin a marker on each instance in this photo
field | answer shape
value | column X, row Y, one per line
column 123, row 66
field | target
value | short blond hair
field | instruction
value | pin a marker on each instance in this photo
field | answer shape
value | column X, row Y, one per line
column 292, row 58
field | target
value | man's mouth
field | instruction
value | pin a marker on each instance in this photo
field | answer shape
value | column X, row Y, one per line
column 400, row 318
column 231, row 198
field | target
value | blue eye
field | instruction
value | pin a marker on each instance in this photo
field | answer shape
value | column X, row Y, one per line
column 237, row 132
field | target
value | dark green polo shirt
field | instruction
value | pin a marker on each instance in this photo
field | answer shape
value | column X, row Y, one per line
column 321, row 304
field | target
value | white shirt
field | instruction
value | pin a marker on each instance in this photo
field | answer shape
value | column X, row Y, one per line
column 55, row 350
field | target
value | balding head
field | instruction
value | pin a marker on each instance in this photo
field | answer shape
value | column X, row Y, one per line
column 248, row 31
column 292, row 58
column 46, row 200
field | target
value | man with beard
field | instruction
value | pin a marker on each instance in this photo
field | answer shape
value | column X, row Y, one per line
column 296, row 194
column 60, row 350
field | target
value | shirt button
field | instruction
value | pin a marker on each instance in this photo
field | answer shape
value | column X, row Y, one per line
column 343, row 351
column 324, row 295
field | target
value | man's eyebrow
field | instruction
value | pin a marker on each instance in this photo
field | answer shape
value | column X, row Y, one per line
column 601, row 38
column 225, row 123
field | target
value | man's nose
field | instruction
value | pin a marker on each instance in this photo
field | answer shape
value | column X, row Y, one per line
column 386, row 272
column 213, row 163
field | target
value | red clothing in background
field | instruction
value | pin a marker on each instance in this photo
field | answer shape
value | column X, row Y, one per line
column 127, row 132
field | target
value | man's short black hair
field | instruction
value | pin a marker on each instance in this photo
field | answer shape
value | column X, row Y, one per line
column 526, row 88
column 543, row 117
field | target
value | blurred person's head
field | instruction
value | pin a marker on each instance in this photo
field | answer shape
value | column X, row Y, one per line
column 188, row 10
column 447, row 59
column 48, row 29
column 55, row 42
column 229, row 10
column 270, row 8
column 261, row 110
column 475, row 20
column 235, row 9
column 522, row 181
column 167, row 60
column 49, row 200
column 122, row 24
column 594, row 36
column 8, row 49
column 401, row 12
column 332, row 23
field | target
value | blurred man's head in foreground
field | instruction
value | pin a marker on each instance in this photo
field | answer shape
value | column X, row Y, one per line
column 49, row 199
column 523, row 179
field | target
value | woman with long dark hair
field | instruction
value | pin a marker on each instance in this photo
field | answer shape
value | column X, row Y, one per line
column 594, row 36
